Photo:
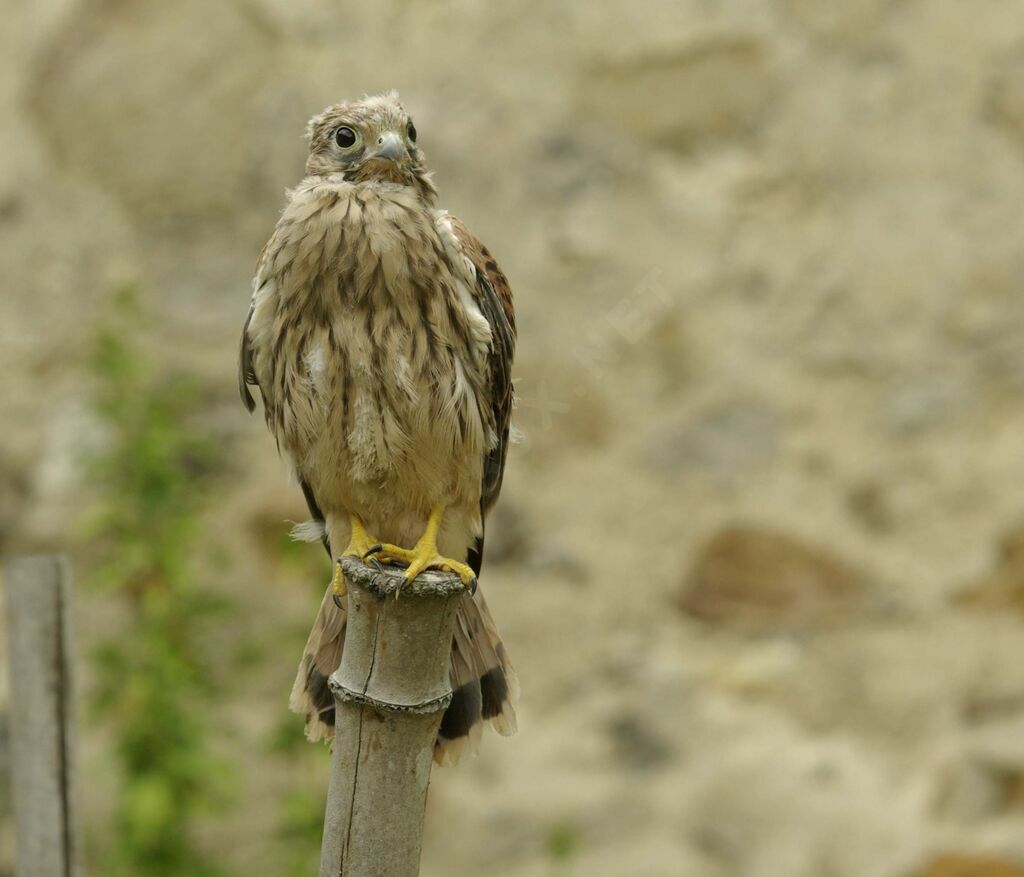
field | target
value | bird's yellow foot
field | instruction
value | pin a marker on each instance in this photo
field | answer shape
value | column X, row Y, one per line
column 425, row 555
column 359, row 545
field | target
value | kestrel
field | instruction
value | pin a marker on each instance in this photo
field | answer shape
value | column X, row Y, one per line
column 380, row 336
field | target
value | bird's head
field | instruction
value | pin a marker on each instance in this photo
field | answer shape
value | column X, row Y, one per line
column 372, row 139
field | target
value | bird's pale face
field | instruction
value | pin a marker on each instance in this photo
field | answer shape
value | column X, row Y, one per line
column 369, row 140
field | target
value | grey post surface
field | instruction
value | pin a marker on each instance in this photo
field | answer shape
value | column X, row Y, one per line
column 38, row 596
column 390, row 695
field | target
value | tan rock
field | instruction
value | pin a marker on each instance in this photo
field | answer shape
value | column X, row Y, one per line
column 1003, row 587
column 957, row 865
column 144, row 103
column 849, row 23
column 977, row 788
column 720, row 86
column 1004, row 103
column 761, row 577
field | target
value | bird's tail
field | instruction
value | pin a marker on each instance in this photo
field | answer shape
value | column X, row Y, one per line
column 311, row 695
column 484, row 684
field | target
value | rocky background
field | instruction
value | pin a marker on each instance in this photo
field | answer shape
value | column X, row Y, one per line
column 760, row 553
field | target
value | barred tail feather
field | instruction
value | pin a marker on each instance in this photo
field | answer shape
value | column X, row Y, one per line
column 484, row 685
column 311, row 696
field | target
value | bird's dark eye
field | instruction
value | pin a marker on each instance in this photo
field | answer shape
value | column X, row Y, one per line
column 345, row 137
column 411, row 132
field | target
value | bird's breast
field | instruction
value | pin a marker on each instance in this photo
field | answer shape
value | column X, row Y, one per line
column 380, row 365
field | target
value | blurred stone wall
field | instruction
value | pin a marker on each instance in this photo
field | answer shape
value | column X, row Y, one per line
column 767, row 259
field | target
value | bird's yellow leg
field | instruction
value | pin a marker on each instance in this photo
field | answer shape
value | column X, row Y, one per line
column 338, row 583
column 360, row 541
column 359, row 544
column 425, row 555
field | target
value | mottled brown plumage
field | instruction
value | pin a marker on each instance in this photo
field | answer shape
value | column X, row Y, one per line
column 381, row 336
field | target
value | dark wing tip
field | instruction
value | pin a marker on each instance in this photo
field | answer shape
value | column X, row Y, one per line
column 247, row 400
column 246, row 373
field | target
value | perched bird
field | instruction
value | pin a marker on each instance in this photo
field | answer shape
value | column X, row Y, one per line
column 381, row 336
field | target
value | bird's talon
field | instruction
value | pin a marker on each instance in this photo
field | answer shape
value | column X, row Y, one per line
column 373, row 549
column 337, row 601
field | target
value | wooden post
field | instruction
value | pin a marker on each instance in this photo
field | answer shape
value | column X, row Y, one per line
column 390, row 694
column 38, row 596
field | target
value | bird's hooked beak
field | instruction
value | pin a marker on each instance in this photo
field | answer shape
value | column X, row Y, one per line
column 390, row 147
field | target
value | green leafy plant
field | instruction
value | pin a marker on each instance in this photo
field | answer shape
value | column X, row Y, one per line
column 301, row 831
column 154, row 681
column 301, row 820
column 562, row 843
